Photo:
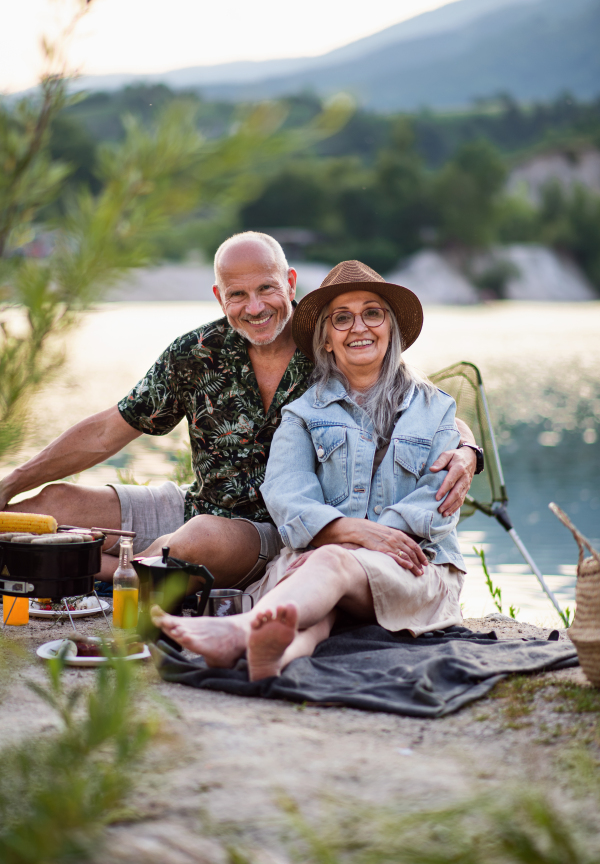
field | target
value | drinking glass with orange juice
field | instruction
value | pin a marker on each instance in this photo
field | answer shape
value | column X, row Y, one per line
column 125, row 589
column 15, row 610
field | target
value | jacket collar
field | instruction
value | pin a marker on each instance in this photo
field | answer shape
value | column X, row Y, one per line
column 334, row 391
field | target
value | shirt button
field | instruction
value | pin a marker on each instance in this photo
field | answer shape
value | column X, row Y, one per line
column 320, row 452
column 377, row 509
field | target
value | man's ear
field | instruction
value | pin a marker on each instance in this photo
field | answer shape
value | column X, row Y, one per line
column 217, row 294
column 292, row 279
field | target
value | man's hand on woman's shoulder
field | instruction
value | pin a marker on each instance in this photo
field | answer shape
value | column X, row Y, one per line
column 460, row 465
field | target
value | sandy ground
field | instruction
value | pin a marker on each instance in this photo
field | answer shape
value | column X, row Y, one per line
column 227, row 761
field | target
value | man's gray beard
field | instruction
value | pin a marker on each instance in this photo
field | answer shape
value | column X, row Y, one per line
column 280, row 328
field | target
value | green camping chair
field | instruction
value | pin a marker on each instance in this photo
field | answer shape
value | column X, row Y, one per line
column 488, row 492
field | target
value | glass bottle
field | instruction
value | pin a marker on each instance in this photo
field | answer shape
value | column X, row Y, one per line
column 125, row 589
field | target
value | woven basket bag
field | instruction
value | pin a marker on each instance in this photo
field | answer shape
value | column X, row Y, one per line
column 584, row 632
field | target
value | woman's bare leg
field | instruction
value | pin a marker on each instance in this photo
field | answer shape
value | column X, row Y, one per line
column 331, row 577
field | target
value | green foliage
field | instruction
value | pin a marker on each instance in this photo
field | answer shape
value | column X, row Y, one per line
column 29, row 177
column 496, row 593
column 466, row 192
column 57, row 792
column 183, row 472
column 125, row 476
column 512, row 128
column 577, row 698
column 523, row 827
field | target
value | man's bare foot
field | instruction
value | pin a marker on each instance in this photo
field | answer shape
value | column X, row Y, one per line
column 269, row 637
column 221, row 641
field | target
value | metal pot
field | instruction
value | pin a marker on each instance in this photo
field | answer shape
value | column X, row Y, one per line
column 58, row 571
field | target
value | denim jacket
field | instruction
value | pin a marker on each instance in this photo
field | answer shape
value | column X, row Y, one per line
column 321, row 462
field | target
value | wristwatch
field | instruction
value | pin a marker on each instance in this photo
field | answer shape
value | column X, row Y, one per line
column 478, row 453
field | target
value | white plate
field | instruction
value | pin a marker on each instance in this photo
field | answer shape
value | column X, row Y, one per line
column 45, row 652
column 76, row 613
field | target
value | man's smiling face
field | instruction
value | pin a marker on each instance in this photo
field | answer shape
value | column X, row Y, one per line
column 255, row 294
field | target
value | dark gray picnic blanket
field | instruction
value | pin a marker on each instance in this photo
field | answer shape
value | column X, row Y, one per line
column 370, row 668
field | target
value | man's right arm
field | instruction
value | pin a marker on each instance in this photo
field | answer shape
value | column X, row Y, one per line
column 86, row 444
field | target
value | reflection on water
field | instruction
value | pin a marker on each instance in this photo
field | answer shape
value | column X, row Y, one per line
column 540, row 364
column 568, row 474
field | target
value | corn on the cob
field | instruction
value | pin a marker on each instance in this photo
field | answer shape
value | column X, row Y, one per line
column 34, row 522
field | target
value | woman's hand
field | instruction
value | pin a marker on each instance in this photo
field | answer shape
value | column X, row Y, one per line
column 380, row 538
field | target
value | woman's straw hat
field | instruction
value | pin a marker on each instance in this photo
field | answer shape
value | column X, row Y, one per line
column 355, row 276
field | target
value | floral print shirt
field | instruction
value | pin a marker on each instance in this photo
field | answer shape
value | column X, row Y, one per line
column 206, row 376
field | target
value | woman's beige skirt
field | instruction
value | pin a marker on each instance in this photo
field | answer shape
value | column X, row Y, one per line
column 402, row 601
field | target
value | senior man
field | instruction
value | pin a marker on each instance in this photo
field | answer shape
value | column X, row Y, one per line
column 230, row 380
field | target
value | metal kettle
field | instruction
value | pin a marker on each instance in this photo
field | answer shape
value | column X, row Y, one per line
column 164, row 580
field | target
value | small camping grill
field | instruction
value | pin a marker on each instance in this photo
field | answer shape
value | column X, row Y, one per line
column 52, row 571
column 49, row 571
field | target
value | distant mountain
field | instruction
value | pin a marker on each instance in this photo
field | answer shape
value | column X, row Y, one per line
column 445, row 19
column 532, row 49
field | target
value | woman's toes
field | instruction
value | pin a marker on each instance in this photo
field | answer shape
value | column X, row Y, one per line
column 261, row 619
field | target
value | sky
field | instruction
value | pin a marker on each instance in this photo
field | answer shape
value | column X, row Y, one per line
column 160, row 35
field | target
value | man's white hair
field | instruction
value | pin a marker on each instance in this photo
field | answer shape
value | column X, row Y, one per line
column 236, row 239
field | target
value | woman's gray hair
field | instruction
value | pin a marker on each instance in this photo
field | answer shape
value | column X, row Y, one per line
column 382, row 400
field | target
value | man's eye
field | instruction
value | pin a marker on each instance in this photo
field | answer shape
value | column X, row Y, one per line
column 267, row 287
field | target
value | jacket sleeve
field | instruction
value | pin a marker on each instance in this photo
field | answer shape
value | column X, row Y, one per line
column 417, row 513
column 291, row 490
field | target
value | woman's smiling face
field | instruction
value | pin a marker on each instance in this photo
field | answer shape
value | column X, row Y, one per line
column 359, row 351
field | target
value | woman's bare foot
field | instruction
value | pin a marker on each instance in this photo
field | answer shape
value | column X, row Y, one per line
column 221, row 641
column 269, row 637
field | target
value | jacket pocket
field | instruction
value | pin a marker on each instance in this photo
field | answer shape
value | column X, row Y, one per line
column 331, row 449
column 410, row 455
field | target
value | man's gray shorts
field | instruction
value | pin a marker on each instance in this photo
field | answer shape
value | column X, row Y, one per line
column 152, row 511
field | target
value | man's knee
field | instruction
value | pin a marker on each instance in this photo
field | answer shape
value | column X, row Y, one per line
column 227, row 547
column 75, row 505
column 50, row 497
column 58, row 493
column 204, row 532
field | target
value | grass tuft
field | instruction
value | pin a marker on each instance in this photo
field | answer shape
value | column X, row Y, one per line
column 57, row 793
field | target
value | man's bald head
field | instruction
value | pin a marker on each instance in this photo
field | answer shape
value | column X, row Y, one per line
column 255, row 287
column 246, row 246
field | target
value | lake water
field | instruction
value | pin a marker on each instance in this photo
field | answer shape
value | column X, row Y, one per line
column 541, row 367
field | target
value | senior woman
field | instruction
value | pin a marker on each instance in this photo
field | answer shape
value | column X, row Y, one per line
column 353, row 452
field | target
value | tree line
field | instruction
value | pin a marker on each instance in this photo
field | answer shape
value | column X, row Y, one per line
column 380, row 187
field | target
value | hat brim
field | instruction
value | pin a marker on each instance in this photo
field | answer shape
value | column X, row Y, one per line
column 405, row 305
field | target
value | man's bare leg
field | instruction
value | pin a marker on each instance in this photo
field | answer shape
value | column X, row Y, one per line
column 71, row 504
column 229, row 548
column 330, row 577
